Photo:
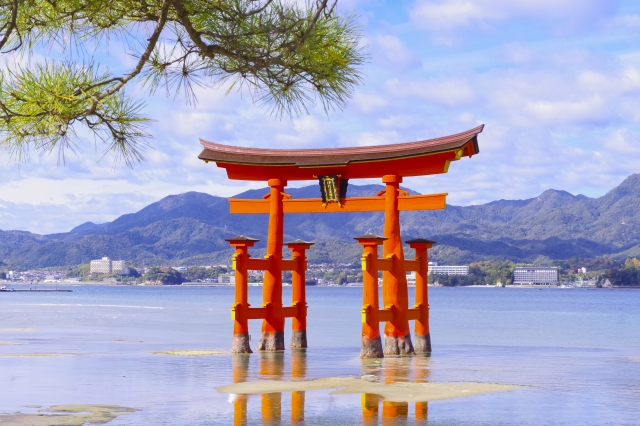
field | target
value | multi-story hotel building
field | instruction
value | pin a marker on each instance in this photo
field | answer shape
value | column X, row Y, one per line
column 535, row 275
column 108, row 266
column 449, row 270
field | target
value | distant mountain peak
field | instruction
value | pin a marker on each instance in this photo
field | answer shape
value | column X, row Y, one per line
column 84, row 227
column 629, row 186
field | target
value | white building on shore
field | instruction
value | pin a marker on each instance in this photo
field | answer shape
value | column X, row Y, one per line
column 227, row 279
column 448, row 270
column 535, row 275
column 108, row 266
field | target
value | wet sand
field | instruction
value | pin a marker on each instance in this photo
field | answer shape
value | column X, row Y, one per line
column 396, row 392
column 189, row 353
column 18, row 330
column 11, row 343
column 68, row 415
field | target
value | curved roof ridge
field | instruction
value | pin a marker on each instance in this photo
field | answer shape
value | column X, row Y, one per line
column 427, row 143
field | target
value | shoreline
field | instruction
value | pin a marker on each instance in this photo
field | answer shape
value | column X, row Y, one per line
column 34, row 286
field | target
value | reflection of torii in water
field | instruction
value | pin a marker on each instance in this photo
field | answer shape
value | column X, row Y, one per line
column 334, row 167
column 272, row 367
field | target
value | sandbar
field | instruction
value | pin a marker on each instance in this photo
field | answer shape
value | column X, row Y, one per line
column 18, row 330
column 396, row 392
column 11, row 343
column 74, row 415
column 189, row 353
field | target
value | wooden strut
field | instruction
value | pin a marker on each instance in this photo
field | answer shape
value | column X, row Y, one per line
column 372, row 314
column 272, row 311
column 371, row 265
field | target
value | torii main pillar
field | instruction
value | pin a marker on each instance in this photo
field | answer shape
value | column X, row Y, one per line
column 395, row 295
column 272, row 338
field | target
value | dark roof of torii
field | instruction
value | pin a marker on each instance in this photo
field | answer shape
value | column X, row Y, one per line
column 336, row 156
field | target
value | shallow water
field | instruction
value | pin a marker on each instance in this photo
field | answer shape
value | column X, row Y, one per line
column 576, row 351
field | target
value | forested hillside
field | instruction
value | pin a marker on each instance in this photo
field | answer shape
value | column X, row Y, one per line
column 190, row 229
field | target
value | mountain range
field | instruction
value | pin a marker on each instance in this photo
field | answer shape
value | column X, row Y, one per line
column 190, row 228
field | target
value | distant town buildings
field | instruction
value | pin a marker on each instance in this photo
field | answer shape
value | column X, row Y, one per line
column 108, row 266
column 535, row 275
column 226, row 279
column 448, row 270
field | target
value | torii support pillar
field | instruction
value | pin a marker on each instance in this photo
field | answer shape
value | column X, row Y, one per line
column 240, row 308
column 371, row 342
column 273, row 325
column 298, row 293
column 395, row 294
column 422, row 335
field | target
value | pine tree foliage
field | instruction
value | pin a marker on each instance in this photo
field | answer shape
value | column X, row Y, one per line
column 289, row 57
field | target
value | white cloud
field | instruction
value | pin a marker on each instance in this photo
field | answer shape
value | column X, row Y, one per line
column 444, row 91
column 376, row 138
column 623, row 141
column 307, row 131
column 390, row 52
column 451, row 14
column 566, row 112
column 368, row 103
column 631, row 20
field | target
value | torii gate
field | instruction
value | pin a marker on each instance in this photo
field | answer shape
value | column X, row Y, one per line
column 333, row 167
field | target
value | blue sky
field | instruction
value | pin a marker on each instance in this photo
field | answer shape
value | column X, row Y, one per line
column 556, row 82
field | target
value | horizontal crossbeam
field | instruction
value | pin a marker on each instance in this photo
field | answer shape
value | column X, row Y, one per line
column 386, row 315
column 264, row 264
column 412, row 265
column 387, row 264
column 355, row 204
column 263, row 312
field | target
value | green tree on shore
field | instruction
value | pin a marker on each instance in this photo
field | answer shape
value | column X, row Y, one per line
column 162, row 275
column 289, row 57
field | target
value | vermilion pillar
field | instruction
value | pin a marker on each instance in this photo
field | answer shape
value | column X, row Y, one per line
column 240, row 307
column 422, row 336
column 371, row 342
column 298, row 294
column 273, row 325
column 395, row 294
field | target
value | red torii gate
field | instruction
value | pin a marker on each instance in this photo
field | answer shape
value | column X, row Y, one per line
column 334, row 167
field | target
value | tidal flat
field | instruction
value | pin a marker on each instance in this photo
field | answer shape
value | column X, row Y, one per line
column 67, row 415
column 523, row 357
column 394, row 392
column 190, row 352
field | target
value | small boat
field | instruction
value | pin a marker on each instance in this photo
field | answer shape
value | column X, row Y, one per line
column 4, row 288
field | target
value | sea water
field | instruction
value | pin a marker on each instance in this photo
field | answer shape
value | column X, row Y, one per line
column 575, row 352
